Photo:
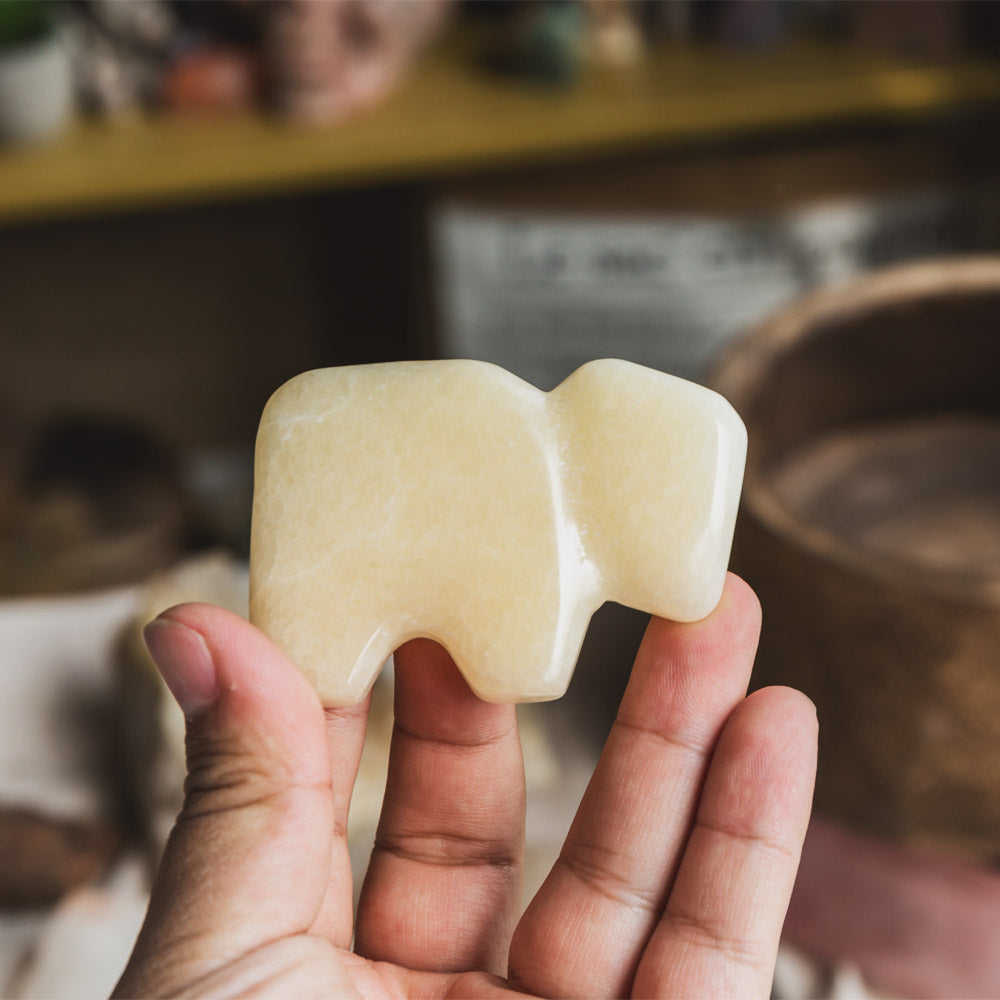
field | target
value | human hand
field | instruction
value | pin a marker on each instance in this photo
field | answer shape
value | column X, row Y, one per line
column 673, row 881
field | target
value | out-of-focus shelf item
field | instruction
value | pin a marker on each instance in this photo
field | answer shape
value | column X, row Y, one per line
column 451, row 117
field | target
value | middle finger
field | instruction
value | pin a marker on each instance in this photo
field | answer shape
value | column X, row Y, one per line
column 443, row 882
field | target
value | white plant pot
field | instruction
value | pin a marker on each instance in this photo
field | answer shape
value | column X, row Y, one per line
column 36, row 91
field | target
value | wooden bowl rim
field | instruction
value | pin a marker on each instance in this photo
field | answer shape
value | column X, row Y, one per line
column 739, row 369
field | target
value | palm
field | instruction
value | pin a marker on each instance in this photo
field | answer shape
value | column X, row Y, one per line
column 673, row 879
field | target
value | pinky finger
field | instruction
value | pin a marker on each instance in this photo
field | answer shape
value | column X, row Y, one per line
column 718, row 935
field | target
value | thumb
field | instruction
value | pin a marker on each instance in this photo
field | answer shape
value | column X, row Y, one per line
column 248, row 860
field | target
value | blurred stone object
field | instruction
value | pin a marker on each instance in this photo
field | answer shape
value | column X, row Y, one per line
column 95, row 503
column 544, row 43
column 329, row 61
column 120, row 52
column 212, row 78
column 550, row 43
column 216, row 60
column 59, row 792
column 36, row 87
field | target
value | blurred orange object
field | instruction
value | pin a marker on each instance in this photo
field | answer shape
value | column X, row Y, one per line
column 212, row 78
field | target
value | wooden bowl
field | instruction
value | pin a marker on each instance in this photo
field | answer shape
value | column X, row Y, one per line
column 870, row 528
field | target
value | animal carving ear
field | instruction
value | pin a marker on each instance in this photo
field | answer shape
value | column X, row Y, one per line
column 450, row 499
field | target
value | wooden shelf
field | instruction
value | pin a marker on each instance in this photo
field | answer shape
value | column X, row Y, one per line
column 448, row 118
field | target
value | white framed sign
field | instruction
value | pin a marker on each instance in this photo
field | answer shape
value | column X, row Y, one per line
column 540, row 294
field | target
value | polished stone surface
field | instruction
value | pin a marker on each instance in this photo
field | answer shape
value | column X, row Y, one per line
column 450, row 499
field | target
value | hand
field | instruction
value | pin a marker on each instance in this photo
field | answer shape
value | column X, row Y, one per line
column 673, row 881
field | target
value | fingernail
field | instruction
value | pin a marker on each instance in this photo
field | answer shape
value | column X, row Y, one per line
column 184, row 662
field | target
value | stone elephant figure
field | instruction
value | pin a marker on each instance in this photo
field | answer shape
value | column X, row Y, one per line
column 451, row 499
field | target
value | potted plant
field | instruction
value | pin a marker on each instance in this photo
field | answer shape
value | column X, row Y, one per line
column 36, row 86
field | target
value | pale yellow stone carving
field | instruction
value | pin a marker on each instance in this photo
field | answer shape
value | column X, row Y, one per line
column 450, row 499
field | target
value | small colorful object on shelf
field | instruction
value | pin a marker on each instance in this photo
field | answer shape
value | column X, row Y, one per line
column 329, row 61
column 120, row 51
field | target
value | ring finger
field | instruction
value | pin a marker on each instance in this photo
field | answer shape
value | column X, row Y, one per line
column 586, row 929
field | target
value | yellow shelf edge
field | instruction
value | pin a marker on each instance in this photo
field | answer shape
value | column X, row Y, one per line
column 445, row 118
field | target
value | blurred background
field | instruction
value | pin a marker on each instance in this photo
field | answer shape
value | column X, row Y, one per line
column 794, row 201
